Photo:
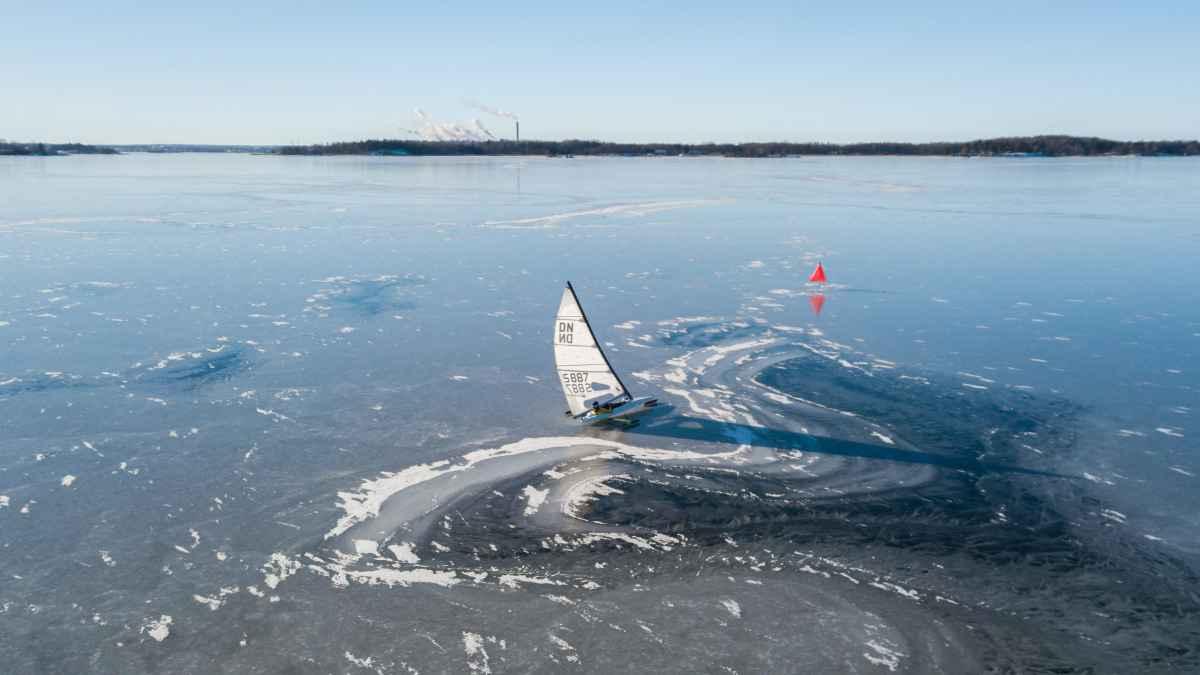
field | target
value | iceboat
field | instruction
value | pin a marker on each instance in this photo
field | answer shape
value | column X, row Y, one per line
column 594, row 391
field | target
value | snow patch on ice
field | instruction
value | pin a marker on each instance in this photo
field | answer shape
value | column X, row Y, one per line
column 515, row 580
column 732, row 607
column 640, row 209
column 404, row 552
column 214, row 602
column 158, row 629
column 534, row 499
column 897, row 589
column 405, row 578
column 366, row 502
column 477, row 656
column 278, row 417
column 367, row 662
column 659, row 541
column 278, row 568
column 366, row 547
column 587, row 491
column 882, row 655
column 1115, row 516
column 565, row 646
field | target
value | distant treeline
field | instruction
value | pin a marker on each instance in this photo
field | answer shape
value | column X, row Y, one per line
column 1044, row 146
column 169, row 148
column 1025, row 146
column 51, row 149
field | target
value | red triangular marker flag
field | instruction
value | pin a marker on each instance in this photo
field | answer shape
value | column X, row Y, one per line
column 818, row 275
column 817, row 302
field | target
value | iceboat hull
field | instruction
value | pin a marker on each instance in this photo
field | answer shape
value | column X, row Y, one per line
column 623, row 411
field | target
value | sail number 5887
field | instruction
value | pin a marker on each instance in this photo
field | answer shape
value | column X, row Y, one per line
column 576, row 382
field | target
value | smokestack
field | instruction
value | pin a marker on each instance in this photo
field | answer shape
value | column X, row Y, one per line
column 518, row 123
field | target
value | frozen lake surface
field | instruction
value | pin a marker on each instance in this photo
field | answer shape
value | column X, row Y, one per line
column 262, row 414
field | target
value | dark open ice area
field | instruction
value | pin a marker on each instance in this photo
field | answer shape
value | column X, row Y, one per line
column 265, row 414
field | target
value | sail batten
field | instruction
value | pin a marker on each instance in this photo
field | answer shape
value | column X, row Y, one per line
column 584, row 372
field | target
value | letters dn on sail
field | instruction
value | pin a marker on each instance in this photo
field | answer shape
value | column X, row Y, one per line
column 566, row 332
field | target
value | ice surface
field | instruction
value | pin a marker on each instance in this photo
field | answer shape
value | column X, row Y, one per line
column 323, row 384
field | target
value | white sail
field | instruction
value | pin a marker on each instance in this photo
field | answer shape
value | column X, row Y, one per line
column 583, row 370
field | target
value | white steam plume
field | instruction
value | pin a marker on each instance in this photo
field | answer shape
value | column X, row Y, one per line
column 492, row 111
column 482, row 129
column 430, row 129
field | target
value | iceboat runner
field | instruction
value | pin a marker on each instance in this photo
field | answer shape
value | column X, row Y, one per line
column 594, row 391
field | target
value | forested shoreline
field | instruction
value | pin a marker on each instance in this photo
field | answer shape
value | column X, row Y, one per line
column 52, row 149
column 1023, row 146
column 1030, row 146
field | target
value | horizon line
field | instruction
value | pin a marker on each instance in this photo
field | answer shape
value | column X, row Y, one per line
column 10, row 141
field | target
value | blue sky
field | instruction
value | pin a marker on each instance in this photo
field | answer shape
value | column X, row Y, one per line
column 302, row 72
